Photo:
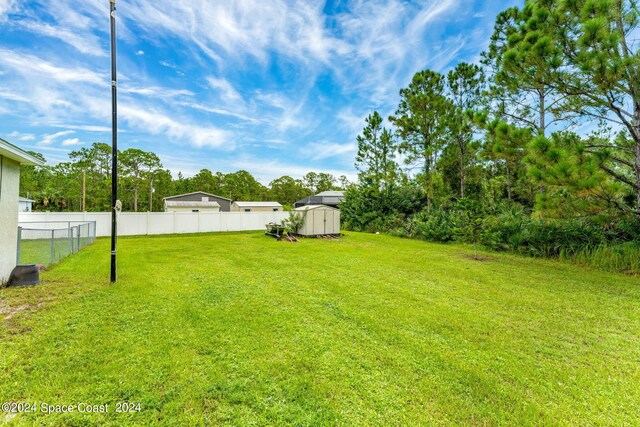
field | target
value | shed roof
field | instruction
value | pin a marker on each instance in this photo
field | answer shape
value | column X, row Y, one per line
column 196, row 192
column 310, row 207
column 24, row 199
column 19, row 155
column 258, row 204
column 189, row 204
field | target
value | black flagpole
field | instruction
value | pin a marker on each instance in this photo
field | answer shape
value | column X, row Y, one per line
column 114, row 143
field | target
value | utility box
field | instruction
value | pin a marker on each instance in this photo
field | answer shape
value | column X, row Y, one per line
column 319, row 220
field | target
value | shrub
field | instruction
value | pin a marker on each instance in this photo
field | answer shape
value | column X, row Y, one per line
column 293, row 224
column 435, row 225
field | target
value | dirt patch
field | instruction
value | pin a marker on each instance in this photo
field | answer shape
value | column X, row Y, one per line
column 9, row 312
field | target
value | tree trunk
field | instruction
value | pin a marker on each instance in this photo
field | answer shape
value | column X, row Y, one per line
column 135, row 199
column 541, row 111
column 508, row 174
column 637, row 171
column 462, row 177
column 150, row 195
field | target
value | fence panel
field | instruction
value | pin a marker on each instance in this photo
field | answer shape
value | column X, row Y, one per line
column 141, row 223
column 47, row 243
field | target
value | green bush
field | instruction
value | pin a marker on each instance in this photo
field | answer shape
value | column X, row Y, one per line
column 624, row 257
column 436, row 225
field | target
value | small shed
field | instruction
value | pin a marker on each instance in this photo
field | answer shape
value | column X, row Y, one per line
column 25, row 205
column 256, row 207
column 319, row 220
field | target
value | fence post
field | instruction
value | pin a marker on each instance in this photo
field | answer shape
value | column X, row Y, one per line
column 79, row 232
column 52, row 246
column 70, row 237
column 19, row 243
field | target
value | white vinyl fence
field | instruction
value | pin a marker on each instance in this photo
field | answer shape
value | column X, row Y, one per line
column 140, row 223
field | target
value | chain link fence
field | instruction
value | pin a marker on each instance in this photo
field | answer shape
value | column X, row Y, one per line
column 49, row 242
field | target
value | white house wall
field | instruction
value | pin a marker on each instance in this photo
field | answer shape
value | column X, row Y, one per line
column 191, row 209
column 10, row 182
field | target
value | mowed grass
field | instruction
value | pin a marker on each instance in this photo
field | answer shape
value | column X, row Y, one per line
column 239, row 329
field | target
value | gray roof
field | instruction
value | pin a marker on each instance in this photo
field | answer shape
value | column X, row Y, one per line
column 196, row 192
column 24, row 199
column 331, row 193
column 258, row 204
column 310, row 207
column 12, row 152
column 190, row 204
column 325, row 198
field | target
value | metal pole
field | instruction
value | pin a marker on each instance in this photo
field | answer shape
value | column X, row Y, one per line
column 114, row 143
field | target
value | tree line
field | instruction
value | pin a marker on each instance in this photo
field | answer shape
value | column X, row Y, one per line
column 84, row 182
column 535, row 148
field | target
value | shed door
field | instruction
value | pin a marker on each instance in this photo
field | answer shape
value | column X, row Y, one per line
column 318, row 221
column 336, row 222
column 328, row 221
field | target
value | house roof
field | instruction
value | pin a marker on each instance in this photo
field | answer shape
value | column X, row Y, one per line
column 310, row 207
column 12, row 152
column 258, row 204
column 320, row 200
column 331, row 193
column 196, row 192
column 190, row 204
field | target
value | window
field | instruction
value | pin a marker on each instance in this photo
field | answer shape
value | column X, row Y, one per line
column 247, row 210
column 275, row 209
column 195, row 210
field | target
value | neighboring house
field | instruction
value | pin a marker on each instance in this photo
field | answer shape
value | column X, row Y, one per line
column 25, row 205
column 256, row 207
column 198, row 201
column 11, row 157
column 327, row 198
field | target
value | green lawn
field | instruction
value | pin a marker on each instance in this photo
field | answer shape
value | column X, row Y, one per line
column 239, row 329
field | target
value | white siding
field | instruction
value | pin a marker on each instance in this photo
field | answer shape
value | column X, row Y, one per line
column 141, row 223
column 191, row 209
column 10, row 182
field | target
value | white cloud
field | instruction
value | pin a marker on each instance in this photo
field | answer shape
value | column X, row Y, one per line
column 48, row 139
column 156, row 91
column 220, row 111
column 33, row 65
column 295, row 29
column 268, row 170
column 157, row 123
column 27, row 137
column 140, row 53
column 320, row 151
column 70, row 141
column 88, row 128
column 12, row 96
column 84, row 42
column 6, row 7
column 227, row 91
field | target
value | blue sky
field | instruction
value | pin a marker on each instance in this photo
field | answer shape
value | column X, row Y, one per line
column 273, row 87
